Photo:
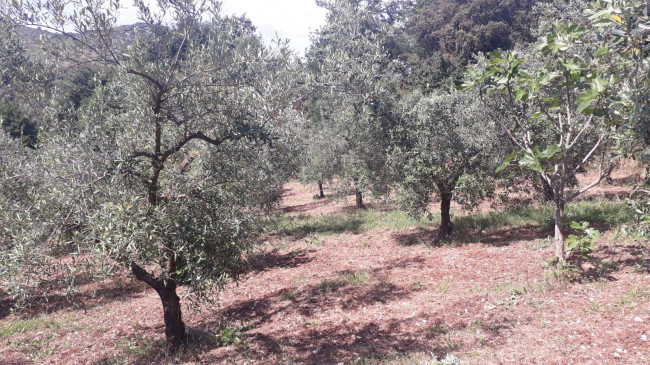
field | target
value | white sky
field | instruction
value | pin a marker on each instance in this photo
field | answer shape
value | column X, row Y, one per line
column 293, row 19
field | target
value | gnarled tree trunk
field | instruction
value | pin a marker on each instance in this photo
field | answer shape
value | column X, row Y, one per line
column 174, row 327
column 175, row 334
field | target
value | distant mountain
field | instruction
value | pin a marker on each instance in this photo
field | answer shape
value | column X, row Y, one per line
column 33, row 39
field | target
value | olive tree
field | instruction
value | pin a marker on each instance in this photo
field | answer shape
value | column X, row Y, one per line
column 444, row 145
column 624, row 27
column 25, row 87
column 556, row 112
column 350, row 109
column 175, row 158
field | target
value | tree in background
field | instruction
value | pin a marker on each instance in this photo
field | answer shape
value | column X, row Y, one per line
column 174, row 159
column 452, row 31
column 352, row 101
column 25, row 87
column 624, row 27
column 445, row 146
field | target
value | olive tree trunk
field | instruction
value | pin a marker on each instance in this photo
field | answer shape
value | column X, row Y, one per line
column 446, row 226
column 359, row 199
column 175, row 334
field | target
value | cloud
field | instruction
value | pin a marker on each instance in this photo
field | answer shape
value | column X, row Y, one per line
column 293, row 19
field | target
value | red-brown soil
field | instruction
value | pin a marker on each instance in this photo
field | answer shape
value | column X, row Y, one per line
column 362, row 298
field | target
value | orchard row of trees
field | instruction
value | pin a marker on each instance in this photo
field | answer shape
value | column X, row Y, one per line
column 161, row 147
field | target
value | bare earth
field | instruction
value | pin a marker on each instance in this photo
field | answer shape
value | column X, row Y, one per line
column 352, row 298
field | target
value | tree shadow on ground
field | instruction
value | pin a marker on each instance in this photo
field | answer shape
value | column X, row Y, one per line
column 44, row 303
column 605, row 261
column 331, row 342
column 496, row 237
column 337, row 291
column 327, row 224
column 372, row 338
column 302, row 208
column 287, row 192
column 15, row 360
column 340, row 343
column 6, row 304
column 377, row 206
column 275, row 259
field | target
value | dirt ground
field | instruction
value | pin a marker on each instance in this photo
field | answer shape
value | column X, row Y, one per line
column 365, row 297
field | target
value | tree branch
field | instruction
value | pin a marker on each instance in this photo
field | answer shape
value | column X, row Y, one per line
column 142, row 275
column 601, row 176
column 505, row 128
column 591, row 117
column 588, row 156
column 149, row 78
column 197, row 135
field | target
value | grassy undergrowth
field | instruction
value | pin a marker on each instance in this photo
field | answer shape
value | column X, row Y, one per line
column 28, row 325
column 357, row 222
column 599, row 212
column 34, row 346
column 607, row 214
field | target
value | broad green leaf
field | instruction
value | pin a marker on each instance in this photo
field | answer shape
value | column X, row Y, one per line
column 585, row 108
column 521, row 94
column 531, row 162
column 588, row 96
column 550, row 151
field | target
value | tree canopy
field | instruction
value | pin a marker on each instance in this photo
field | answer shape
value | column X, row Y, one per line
column 187, row 142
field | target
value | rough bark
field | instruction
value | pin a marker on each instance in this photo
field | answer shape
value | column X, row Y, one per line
column 359, row 199
column 175, row 334
column 152, row 186
column 320, row 189
column 174, row 327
